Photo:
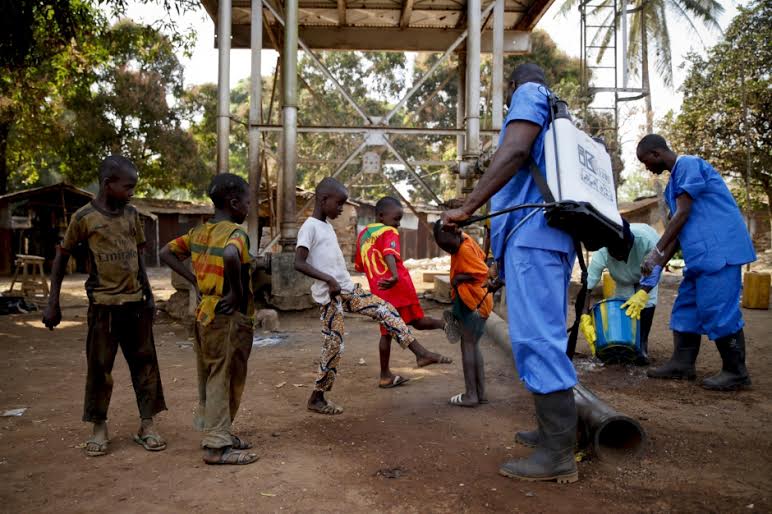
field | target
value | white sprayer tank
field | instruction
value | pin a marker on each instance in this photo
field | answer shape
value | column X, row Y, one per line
column 583, row 170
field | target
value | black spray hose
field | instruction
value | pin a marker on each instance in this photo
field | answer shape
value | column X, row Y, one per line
column 475, row 219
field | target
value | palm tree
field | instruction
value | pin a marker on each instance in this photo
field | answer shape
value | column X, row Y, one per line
column 649, row 23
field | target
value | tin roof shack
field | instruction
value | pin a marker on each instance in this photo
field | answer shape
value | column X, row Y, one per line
column 415, row 234
column 175, row 217
column 33, row 221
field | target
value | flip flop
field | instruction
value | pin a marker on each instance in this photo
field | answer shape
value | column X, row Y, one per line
column 330, row 409
column 234, row 457
column 99, row 448
column 458, row 401
column 395, row 382
column 142, row 441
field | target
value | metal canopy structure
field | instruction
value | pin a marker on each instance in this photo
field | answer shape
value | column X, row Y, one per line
column 467, row 28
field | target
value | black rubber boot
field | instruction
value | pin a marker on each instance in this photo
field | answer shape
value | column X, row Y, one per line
column 553, row 458
column 733, row 374
column 528, row 439
column 686, row 346
column 647, row 318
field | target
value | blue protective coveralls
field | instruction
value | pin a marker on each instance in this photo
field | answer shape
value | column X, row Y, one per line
column 536, row 260
column 715, row 245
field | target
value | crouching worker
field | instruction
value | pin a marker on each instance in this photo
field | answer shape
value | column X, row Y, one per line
column 120, row 303
column 219, row 252
column 319, row 256
column 623, row 262
column 707, row 225
column 472, row 305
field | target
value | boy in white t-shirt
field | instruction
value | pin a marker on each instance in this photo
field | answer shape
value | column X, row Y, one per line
column 319, row 256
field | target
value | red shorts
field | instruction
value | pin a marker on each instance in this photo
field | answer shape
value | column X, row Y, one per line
column 408, row 313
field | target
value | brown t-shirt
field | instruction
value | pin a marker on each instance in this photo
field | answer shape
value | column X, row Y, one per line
column 113, row 242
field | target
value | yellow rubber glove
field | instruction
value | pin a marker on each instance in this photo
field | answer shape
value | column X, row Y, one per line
column 588, row 329
column 636, row 304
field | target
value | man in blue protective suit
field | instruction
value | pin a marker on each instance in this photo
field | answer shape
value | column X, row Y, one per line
column 707, row 224
column 535, row 261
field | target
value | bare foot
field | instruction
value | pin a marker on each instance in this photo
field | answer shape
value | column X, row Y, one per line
column 430, row 358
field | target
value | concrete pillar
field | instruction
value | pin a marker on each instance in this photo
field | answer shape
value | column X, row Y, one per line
column 255, row 107
column 223, row 84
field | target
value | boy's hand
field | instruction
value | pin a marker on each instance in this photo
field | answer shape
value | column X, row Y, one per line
column 150, row 301
column 494, row 284
column 52, row 316
column 334, row 287
column 227, row 304
column 388, row 283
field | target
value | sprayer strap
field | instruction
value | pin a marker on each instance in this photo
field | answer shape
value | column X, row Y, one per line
column 581, row 297
column 540, row 182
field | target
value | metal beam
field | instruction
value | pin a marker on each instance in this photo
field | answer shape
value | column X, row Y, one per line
column 389, row 39
column 265, row 127
column 472, row 147
column 341, row 13
column 316, row 60
column 529, row 20
column 497, row 94
column 255, row 113
column 289, row 125
column 406, row 14
column 430, row 71
column 412, row 172
column 223, row 84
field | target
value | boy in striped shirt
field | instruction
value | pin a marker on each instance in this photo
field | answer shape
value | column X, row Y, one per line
column 219, row 252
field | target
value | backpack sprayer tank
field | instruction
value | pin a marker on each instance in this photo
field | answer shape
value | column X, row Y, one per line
column 581, row 172
column 580, row 179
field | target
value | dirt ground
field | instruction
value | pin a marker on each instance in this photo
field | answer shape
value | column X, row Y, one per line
column 707, row 452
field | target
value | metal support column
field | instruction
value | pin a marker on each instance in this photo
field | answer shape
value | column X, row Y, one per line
column 223, row 84
column 289, row 123
column 255, row 109
column 461, row 103
column 472, row 148
column 497, row 95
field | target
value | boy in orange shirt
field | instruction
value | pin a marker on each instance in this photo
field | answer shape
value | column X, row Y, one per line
column 472, row 304
column 378, row 256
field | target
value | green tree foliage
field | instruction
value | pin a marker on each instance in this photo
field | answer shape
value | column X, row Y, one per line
column 45, row 46
column 123, row 100
column 713, row 122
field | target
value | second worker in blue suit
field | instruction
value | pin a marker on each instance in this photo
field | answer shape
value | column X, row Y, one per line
column 707, row 225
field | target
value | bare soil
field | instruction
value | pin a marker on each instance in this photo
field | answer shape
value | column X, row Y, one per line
column 400, row 450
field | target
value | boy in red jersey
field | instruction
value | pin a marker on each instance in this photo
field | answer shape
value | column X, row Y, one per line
column 378, row 256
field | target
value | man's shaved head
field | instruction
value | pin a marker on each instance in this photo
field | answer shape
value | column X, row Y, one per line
column 528, row 72
column 652, row 142
column 654, row 153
